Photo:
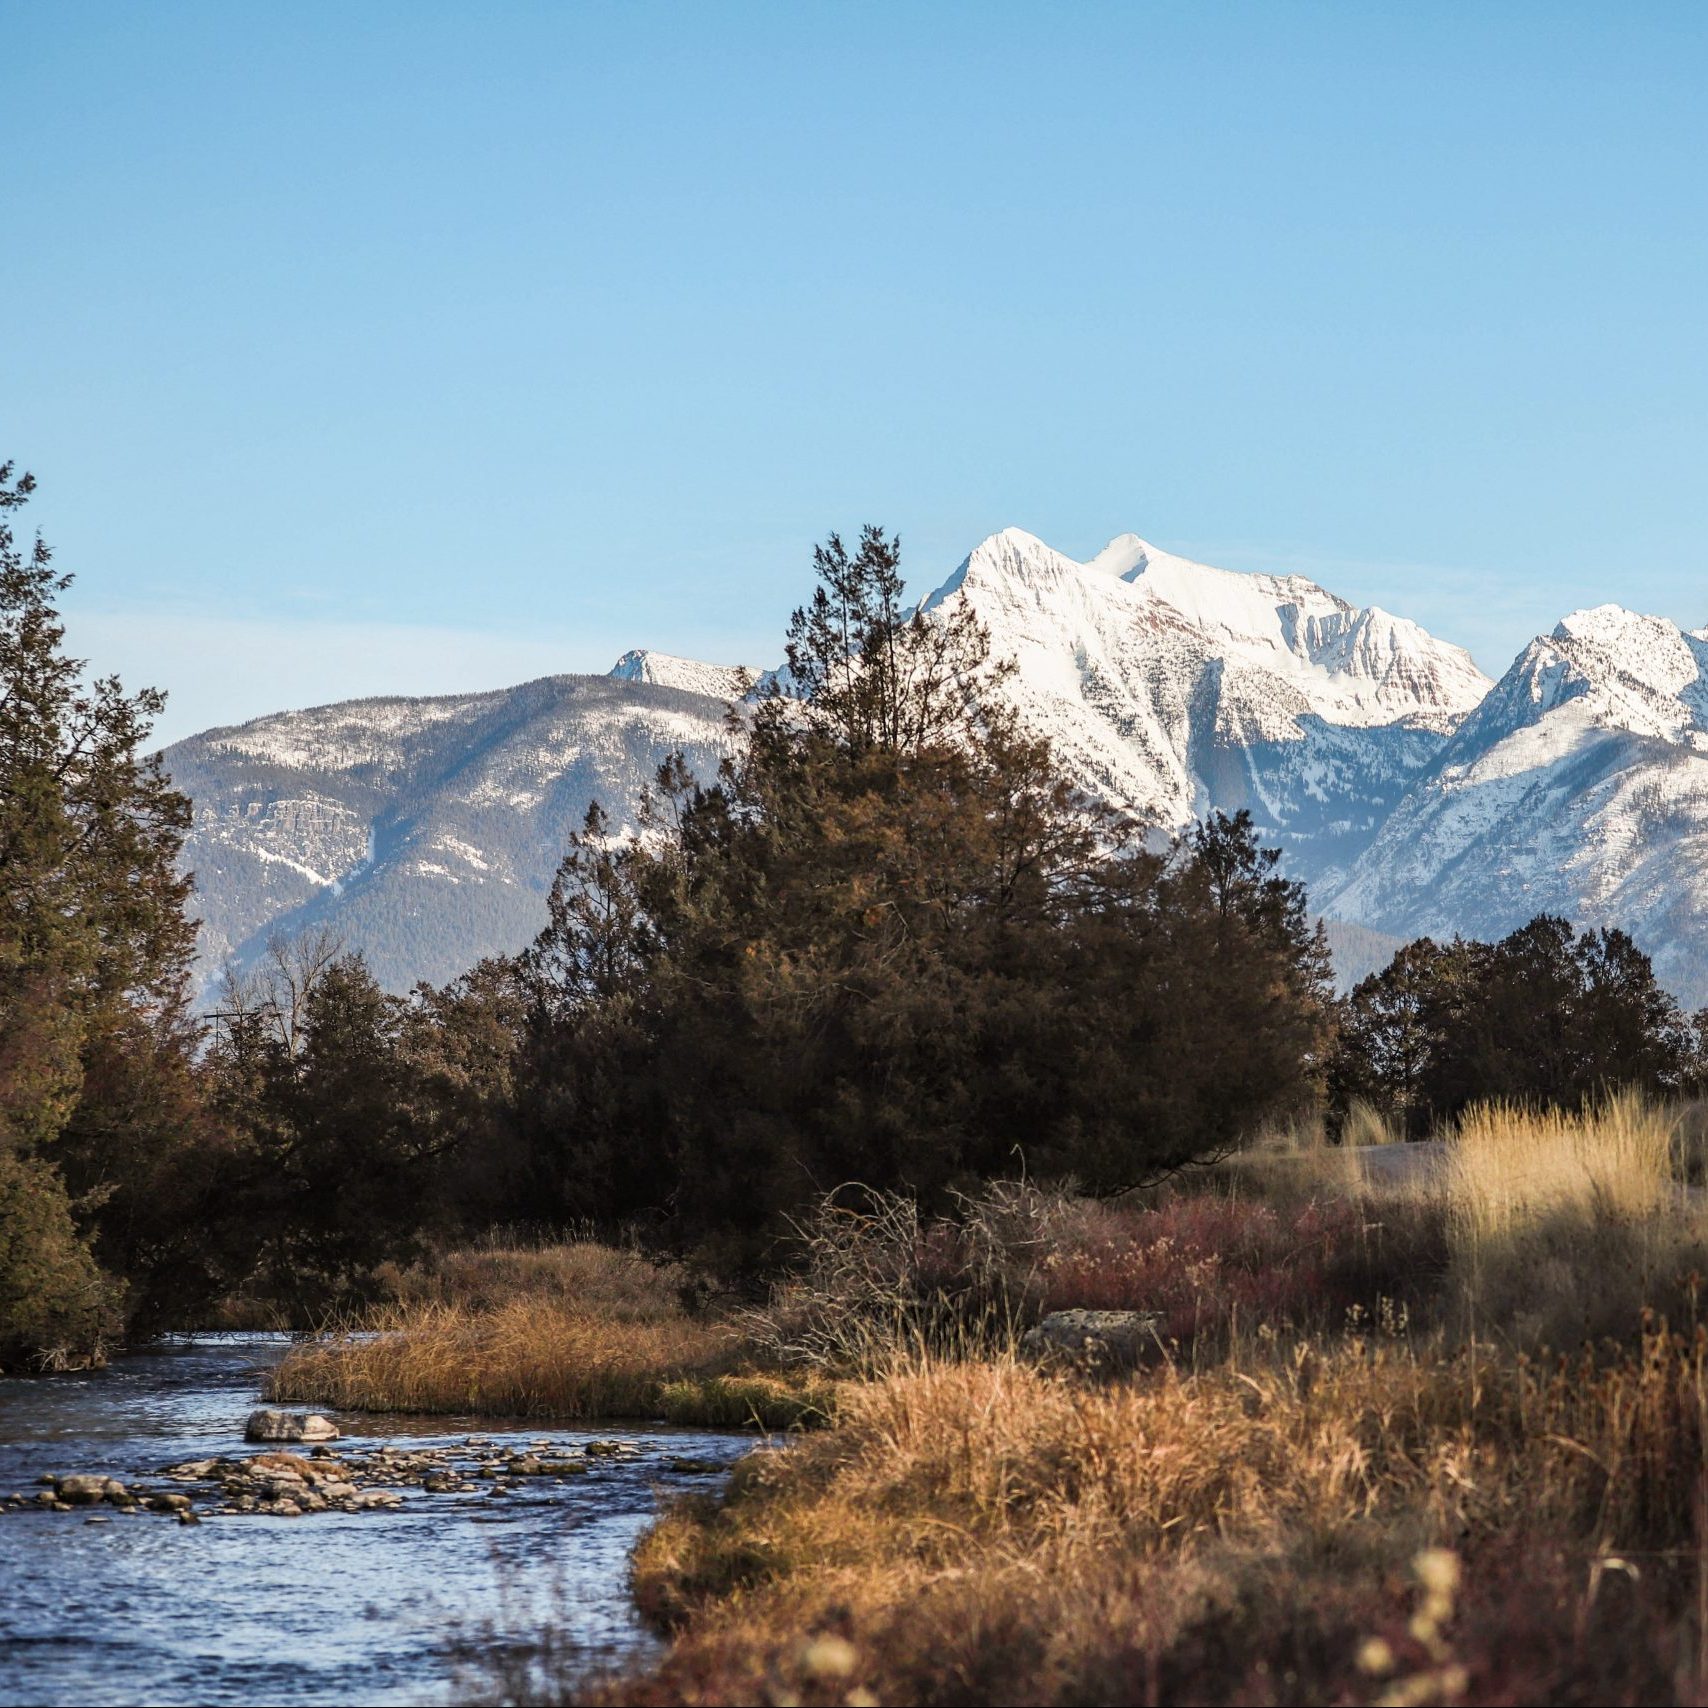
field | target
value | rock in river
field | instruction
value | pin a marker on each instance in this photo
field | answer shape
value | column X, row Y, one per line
column 269, row 1425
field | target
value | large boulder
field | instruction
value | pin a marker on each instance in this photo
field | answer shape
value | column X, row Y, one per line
column 1091, row 1340
column 269, row 1425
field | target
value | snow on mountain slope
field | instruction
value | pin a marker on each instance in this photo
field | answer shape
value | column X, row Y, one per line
column 1579, row 786
column 425, row 831
column 722, row 681
column 1170, row 687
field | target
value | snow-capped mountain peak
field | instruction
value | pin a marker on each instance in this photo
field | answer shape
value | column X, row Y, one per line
column 1579, row 786
column 1124, row 554
column 721, row 681
column 1349, row 664
column 1649, row 670
column 1616, row 669
column 1169, row 686
column 1409, row 793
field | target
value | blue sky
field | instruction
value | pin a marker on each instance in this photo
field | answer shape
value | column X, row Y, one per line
column 424, row 347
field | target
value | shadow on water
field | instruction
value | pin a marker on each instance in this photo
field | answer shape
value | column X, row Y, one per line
column 330, row 1607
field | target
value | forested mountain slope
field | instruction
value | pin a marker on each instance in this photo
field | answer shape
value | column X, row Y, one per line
column 424, row 831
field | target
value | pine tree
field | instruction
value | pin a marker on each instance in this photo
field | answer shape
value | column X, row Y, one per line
column 892, row 944
column 94, row 941
column 1546, row 1016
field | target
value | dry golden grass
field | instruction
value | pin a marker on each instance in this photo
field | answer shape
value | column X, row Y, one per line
column 522, row 1358
column 1564, row 1228
column 1292, row 1166
column 1511, row 1166
column 572, row 1331
column 1415, row 1515
column 1305, row 1509
column 603, row 1280
column 749, row 1400
column 982, row 1532
column 1365, row 1124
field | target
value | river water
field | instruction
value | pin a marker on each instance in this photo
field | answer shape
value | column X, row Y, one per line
column 330, row 1607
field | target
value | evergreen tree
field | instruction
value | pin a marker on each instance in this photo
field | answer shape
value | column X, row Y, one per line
column 1545, row 1016
column 1393, row 1035
column 94, row 941
column 891, row 944
column 343, row 1103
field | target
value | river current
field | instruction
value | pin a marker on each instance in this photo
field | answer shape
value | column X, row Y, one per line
column 379, row 1607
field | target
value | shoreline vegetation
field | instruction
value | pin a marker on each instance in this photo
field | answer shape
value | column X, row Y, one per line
column 1435, row 1438
column 566, row 1332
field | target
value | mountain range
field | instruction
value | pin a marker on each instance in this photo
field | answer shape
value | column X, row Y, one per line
column 1410, row 793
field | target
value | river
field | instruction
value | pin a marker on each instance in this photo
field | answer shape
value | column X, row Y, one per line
column 330, row 1607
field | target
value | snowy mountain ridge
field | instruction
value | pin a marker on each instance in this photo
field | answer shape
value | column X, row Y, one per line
column 1169, row 687
column 1579, row 786
column 1410, row 793
column 423, row 831
column 721, row 681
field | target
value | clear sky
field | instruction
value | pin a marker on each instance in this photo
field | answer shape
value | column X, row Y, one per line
column 421, row 347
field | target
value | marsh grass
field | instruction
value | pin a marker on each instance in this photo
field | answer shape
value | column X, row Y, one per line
column 1565, row 1228
column 521, row 1358
column 580, row 1330
column 1512, row 1166
column 1361, row 1474
column 595, row 1278
column 749, row 1401
column 985, row 1532
column 1354, row 1472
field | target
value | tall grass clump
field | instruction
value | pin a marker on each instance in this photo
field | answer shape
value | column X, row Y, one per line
column 579, row 1274
column 1297, row 1164
column 1511, row 1166
column 573, row 1331
column 1365, row 1124
column 1567, row 1226
column 876, row 1281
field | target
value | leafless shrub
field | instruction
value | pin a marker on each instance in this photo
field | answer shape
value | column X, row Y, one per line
column 878, row 1281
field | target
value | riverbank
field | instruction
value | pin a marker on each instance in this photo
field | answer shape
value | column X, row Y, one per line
column 1313, row 1523
column 1435, row 1437
column 1300, row 1497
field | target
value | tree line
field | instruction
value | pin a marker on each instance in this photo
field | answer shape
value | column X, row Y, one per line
column 887, row 943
